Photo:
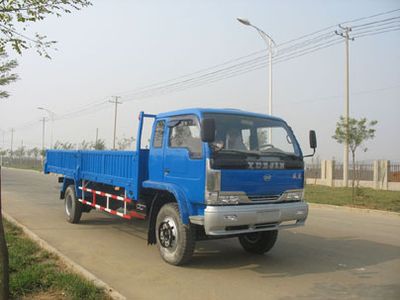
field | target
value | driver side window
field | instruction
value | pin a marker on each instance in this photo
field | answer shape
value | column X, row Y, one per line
column 186, row 134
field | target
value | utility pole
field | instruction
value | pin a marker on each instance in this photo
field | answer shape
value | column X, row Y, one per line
column 345, row 34
column 97, row 135
column 4, row 134
column 52, row 117
column 116, row 102
column 12, row 140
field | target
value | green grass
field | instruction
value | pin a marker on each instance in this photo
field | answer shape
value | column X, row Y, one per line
column 34, row 271
column 364, row 197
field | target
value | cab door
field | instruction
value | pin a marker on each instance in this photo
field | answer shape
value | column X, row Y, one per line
column 184, row 163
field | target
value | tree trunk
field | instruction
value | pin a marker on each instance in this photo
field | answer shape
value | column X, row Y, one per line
column 4, row 275
column 354, row 175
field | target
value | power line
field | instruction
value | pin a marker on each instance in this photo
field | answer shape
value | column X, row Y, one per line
column 371, row 16
column 196, row 72
column 232, row 73
column 371, row 33
column 17, row 33
column 317, row 41
column 327, row 98
column 375, row 23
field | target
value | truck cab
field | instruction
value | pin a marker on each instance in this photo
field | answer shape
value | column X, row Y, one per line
column 232, row 173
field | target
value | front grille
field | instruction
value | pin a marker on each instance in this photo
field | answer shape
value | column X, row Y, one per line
column 264, row 198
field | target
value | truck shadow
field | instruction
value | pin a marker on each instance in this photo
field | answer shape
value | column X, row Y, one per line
column 296, row 254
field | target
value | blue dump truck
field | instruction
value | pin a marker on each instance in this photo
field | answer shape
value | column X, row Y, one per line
column 208, row 173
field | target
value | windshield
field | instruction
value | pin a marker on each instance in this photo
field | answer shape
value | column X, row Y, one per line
column 253, row 136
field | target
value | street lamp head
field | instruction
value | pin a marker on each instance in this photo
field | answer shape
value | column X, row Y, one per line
column 244, row 21
column 40, row 108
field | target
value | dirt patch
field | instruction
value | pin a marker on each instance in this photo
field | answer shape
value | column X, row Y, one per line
column 47, row 295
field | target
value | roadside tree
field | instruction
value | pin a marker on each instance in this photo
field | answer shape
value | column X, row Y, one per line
column 125, row 143
column 100, row 144
column 15, row 18
column 63, row 145
column 17, row 15
column 6, row 75
column 358, row 132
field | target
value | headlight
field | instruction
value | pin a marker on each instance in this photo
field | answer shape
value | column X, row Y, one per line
column 292, row 195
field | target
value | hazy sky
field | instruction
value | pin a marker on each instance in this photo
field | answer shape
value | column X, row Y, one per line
column 115, row 47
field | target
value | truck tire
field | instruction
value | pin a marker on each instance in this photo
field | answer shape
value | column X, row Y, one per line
column 175, row 240
column 258, row 242
column 73, row 208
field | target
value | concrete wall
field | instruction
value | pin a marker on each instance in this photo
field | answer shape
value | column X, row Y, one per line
column 379, row 182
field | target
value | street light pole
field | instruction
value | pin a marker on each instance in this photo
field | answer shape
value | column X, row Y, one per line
column 270, row 44
column 43, row 133
column 270, row 78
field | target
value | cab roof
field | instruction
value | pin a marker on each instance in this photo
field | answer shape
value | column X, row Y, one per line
column 200, row 111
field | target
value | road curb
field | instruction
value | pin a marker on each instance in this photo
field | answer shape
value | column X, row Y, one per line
column 30, row 170
column 356, row 209
column 67, row 261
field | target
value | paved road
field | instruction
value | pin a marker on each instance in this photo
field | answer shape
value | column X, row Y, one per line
column 340, row 253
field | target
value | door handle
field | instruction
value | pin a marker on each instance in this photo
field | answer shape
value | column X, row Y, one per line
column 166, row 171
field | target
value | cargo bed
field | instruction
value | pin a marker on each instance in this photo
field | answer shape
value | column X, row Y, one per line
column 125, row 169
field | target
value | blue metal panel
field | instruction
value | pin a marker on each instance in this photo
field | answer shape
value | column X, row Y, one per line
column 117, row 168
column 185, row 209
column 255, row 182
column 185, row 171
column 61, row 162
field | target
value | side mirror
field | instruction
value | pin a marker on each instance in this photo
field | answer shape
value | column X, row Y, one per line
column 313, row 143
column 313, row 139
column 208, row 130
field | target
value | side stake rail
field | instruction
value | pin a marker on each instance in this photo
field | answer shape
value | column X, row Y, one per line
column 126, row 215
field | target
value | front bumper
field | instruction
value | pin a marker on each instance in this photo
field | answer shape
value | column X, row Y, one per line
column 230, row 220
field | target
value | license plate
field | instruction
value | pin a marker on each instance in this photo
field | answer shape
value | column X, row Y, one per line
column 268, row 216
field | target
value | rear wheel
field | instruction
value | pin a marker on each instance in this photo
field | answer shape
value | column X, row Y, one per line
column 258, row 242
column 175, row 240
column 73, row 208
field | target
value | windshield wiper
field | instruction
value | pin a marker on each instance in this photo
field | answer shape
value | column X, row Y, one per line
column 280, row 154
column 234, row 151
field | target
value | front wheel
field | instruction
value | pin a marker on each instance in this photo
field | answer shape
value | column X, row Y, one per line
column 175, row 240
column 258, row 242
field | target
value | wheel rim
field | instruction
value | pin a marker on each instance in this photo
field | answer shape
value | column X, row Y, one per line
column 252, row 238
column 68, row 205
column 168, row 234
